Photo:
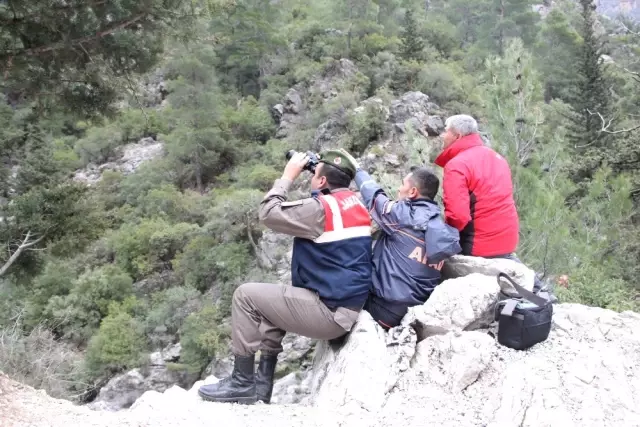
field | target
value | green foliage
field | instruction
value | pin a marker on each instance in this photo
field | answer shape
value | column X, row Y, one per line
column 591, row 96
column 120, row 344
column 412, row 44
column 82, row 54
column 78, row 314
column 150, row 176
column 135, row 124
column 168, row 311
column 365, row 125
column 444, row 82
column 198, row 145
column 57, row 278
column 172, row 205
column 557, row 46
column 149, row 246
column 186, row 222
column 249, row 121
column 594, row 286
column 60, row 217
column 515, row 102
column 99, row 145
column 261, row 177
column 205, row 261
column 232, row 212
column 202, row 337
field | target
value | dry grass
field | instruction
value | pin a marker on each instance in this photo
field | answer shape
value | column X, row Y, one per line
column 39, row 360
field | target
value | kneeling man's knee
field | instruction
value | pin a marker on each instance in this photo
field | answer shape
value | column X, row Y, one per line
column 247, row 290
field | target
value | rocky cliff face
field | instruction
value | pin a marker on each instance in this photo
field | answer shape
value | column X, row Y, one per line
column 442, row 366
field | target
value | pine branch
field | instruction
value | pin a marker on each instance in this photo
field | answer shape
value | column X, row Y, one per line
column 109, row 29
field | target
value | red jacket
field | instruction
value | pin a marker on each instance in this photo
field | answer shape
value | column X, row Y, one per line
column 478, row 197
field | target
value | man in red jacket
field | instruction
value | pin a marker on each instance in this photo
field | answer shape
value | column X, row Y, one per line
column 477, row 191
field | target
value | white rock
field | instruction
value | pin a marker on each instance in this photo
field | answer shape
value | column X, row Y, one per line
column 354, row 373
column 455, row 360
column 461, row 265
column 455, row 305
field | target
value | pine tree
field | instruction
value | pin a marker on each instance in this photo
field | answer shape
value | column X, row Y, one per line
column 82, row 52
column 591, row 99
column 412, row 44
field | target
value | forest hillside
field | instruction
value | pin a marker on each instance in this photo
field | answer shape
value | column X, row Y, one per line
column 138, row 137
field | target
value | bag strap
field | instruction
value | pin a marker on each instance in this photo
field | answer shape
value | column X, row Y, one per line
column 528, row 295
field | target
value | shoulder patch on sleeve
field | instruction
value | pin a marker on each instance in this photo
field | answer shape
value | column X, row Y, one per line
column 293, row 203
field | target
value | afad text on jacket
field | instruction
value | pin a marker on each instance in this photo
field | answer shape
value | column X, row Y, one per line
column 404, row 273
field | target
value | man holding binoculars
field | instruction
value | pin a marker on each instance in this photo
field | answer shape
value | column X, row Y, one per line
column 331, row 272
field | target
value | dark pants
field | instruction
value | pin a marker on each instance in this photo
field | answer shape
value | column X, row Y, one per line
column 537, row 283
column 387, row 314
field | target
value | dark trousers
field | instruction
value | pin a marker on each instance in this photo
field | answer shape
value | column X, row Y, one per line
column 387, row 314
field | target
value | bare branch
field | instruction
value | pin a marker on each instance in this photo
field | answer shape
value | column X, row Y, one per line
column 635, row 75
column 628, row 30
column 26, row 244
column 606, row 125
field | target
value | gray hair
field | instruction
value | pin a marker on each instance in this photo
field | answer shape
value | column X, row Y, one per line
column 462, row 124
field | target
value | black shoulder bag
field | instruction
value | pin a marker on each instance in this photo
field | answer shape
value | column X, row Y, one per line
column 524, row 321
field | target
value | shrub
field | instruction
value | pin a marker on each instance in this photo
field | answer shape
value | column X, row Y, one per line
column 77, row 315
column 205, row 261
column 442, row 82
column 169, row 203
column 150, row 246
column 249, row 121
column 120, row 344
column 99, row 144
column 150, row 175
column 232, row 211
column 258, row 176
column 202, row 336
column 57, row 279
column 169, row 309
column 365, row 126
column 64, row 154
column 135, row 125
column 592, row 285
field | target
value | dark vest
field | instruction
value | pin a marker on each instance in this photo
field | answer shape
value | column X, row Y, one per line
column 337, row 265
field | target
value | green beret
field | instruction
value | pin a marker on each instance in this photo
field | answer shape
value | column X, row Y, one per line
column 338, row 159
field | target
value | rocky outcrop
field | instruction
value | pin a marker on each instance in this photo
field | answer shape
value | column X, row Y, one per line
column 458, row 304
column 584, row 374
column 123, row 390
column 288, row 114
column 129, row 158
column 460, row 265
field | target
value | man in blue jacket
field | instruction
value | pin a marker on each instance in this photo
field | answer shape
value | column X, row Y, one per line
column 414, row 242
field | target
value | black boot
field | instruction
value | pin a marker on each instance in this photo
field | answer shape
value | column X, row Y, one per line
column 264, row 376
column 240, row 387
